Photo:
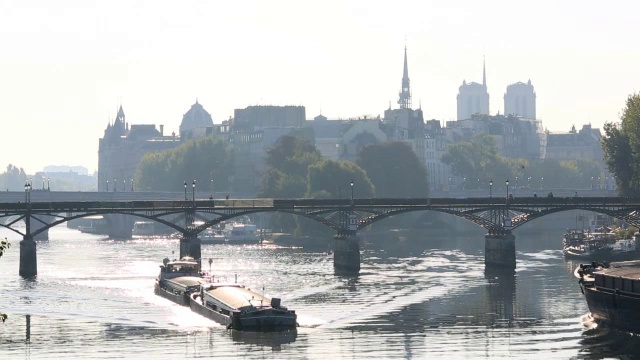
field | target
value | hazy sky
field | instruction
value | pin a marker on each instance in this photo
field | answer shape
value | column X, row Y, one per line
column 65, row 66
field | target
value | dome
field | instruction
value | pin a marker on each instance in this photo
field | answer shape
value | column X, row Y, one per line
column 196, row 117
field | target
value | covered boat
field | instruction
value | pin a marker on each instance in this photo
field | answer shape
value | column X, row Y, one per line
column 612, row 292
column 239, row 308
column 178, row 279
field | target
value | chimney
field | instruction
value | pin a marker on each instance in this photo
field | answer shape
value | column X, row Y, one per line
column 161, row 130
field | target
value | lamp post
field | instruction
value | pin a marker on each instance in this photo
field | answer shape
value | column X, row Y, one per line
column 124, row 185
column 464, row 183
column 48, row 185
column 107, row 185
column 43, row 183
column 592, row 183
column 115, row 185
column 449, row 183
column 507, row 183
column 541, row 182
column 26, row 191
column 185, row 191
column 351, row 192
column 529, row 182
column 131, row 185
column 490, row 188
column 193, row 191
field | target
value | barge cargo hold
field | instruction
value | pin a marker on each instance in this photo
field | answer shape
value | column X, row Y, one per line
column 239, row 308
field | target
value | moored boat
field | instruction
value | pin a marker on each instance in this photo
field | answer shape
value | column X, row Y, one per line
column 242, row 233
column 612, row 292
column 239, row 308
column 178, row 279
column 601, row 245
column 212, row 236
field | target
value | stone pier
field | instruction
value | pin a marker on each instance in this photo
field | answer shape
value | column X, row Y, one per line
column 346, row 255
column 190, row 246
column 500, row 250
column 120, row 226
column 28, row 257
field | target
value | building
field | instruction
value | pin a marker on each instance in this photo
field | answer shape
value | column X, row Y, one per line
column 253, row 131
column 473, row 98
column 520, row 100
column 196, row 123
column 571, row 145
column 121, row 149
column 515, row 136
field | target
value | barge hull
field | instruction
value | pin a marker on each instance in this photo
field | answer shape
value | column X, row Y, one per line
column 612, row 308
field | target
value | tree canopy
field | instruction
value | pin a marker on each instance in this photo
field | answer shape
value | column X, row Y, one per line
column 286, row 167
column 332, row 179
column 206, row 160
column 621, row 146
column 394, row 169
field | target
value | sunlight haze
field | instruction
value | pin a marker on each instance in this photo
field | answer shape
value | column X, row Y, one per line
column 66, row 66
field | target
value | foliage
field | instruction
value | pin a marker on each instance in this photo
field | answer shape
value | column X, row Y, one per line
column 331, row 178
column 208, row 161
column 286, row 167
column 480, row 159
column 621, row 146
column 394, row 170
column 622, row 233
column 13, row 178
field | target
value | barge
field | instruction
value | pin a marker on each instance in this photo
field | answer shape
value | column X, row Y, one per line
column 178, row 279
column 239, row 308
column 612, row 292
column 229, row 304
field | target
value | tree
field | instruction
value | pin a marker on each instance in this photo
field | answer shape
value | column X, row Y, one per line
column 621, row 143
column 208, row 161
column 395, row 170
column 332, row 179
column 286, row 167
column 13, row 178
column 480, row 158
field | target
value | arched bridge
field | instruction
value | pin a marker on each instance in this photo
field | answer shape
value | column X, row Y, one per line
column 345, row 216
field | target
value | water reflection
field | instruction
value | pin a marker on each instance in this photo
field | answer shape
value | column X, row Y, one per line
column 501, row 294
column 274, row 340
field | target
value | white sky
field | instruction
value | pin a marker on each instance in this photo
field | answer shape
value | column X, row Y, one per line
column 65, row 66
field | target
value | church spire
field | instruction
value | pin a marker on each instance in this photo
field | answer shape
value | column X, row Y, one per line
column 484, row 74
column 405, row 93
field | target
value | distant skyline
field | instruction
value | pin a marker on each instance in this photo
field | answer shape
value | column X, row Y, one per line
column 66, row 66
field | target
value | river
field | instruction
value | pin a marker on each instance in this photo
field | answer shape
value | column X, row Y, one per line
column 415, row 297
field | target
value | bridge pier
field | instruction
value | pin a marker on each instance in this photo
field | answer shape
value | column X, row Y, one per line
column 346, row 255
column 28, row 258
column 120, row 226
column 190, row 245
column 500, row 250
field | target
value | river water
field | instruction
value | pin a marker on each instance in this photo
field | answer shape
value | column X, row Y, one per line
column 415, row 297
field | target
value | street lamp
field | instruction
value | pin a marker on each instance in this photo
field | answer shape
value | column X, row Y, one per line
column 124, row 185
column 193, row 193
column 115, row 185
column 107, row 185
column 592, row 183
column 26, row 191
column 541, row 182
column 43, row 183
column 131, row 185
column 507, row 182
column 449, row 183
column 529, row 182
column 490, row 188
column 48, row 185
column 185, row 191
column 464, row 182
column 351, row 192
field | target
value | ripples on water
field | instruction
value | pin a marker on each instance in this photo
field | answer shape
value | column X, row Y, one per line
column 419, row 298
